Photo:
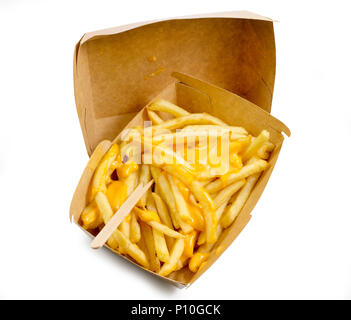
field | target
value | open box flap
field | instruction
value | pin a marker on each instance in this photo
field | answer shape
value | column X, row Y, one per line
column 118, row 71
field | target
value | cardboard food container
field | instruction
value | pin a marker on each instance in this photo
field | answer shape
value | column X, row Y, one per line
column 118, row 72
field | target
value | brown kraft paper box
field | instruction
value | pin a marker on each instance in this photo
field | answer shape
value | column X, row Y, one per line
column 118, row 71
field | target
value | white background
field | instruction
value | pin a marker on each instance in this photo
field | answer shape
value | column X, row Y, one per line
column 297, row 244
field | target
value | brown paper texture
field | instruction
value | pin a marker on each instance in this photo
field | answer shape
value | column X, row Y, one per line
column 118, row 71
column 198, row 96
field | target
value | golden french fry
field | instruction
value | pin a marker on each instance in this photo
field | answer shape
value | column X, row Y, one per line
column 248, row 170
column 162, row 155
column 265, row 150
column 208, row 208
column 91, row 217
column 219, row 211
column 162, row 210
column 131, row 182
column 149, row 216
column 135, row 233
column 255, row 145
column 160, row 245
column 233, row 211
column 124, row 227
column 168, row 107
column 98, row 182
column 130, row 248
column 145, row 177
column 176, row 253
column 148, row 237
column 201, row 195
column 177, row 137
column 191, row 119
column 226, row 193
column 164, row 216
column 183, row 210
column 165, row 230
column 165, row 193
column 189, row 244
column 104, row 206
column 219, row 128
column 197, row 260
column 154, row 117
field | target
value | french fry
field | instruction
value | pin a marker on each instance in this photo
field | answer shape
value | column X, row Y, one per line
column 265, row 150
column 151, row 218
column 255, row 145
column 195, row 196
column 183, row 210
column 135, row 233
column 202, row 237
column 175, row 137
column 248, row 170
column 226, row 193
column 197, row 260
column 176, row 253
column 118, row 238
column 168, row 107
column 164, row 216
column 219, row 128
column 131, row 182
column 91, row 217
column 145, row 177
column 208, row 208
column 162, row 210
column 154, row 117
column 233, row 211
column 191, row 119
column 148, row 237
column 131, row 248
column 165, row 230
column 189, row 244
column 98, row 183
column 104, row 206
column 165, row 193
column 160, row 245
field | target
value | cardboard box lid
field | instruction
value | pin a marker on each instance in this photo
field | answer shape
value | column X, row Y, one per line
column 118, row 71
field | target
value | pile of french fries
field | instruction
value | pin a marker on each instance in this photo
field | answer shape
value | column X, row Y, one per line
column 204, row 171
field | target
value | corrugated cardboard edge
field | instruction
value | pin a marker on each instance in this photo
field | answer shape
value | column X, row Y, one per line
column 230, row 14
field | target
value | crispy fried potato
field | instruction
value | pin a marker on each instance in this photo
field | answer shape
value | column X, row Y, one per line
column 183, row 209
column 135, row 233
column 98, row 182
column 91, row 217
column 165, row 193
column 176, row 254
column 160, row 245
column 148, row 237
column 226, row 193
column 130, row 248
column 145, row 177
column 255, row 145
column 248, row 170
column 191, row 119
column 162, row 210
column 168, row 107
column 154, row 117
column 233, row 211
